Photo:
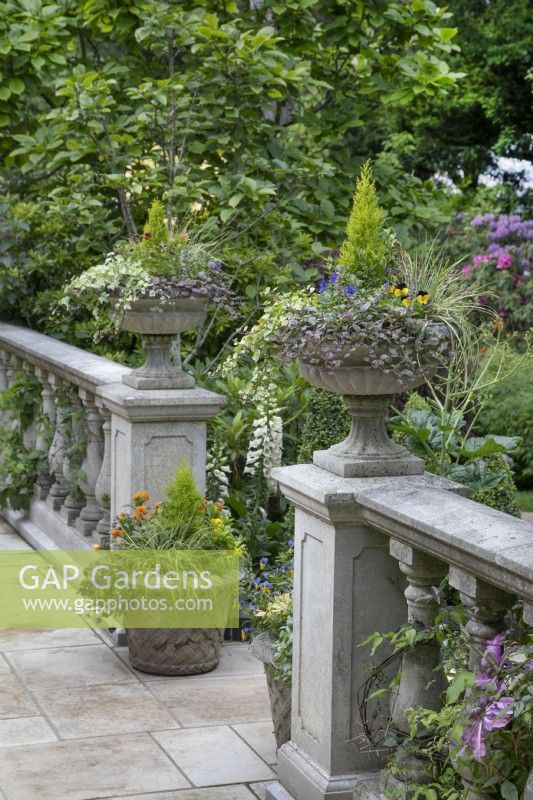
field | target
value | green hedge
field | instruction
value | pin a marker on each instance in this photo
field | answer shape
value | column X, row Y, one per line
column 504, row 496
column 325, row 422
column 508, row 411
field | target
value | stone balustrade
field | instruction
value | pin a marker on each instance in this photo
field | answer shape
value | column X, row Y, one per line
column 368, row 554
column 101, row 439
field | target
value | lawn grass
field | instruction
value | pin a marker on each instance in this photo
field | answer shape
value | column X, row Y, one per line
column 525, row 499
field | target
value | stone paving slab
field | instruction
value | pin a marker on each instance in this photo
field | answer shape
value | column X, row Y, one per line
column 39, row 638
column 15, row 700
column 220, row 701
column 239, row 792
column 213, row 756
column 83, row 769
column 9, row 540
column 25, row 730
column 260, row 737
column 79, row 724
column 103, row 710
column 259, row 789
column 88, row 665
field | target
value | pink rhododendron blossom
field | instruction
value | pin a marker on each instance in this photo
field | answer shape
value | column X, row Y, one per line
column 504, row 261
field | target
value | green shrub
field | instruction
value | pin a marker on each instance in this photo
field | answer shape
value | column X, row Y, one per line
column 504, row 496
column 326, row 421
column 508, row 410
column 183, row 505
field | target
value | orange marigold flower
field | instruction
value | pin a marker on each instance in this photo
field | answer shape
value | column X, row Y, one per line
column 116, row 533
column 142, row 496
column 218, row 505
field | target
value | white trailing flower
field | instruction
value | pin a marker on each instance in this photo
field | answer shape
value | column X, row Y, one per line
column 218, row 469
column 266, row 445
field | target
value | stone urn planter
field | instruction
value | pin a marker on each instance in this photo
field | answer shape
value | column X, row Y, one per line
column 160, row 322
column 368, row 449
column 280, row 695
column 175, row 651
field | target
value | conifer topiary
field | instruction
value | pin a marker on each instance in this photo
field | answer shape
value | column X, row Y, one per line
column 155, row 229
column 183, row 504
column 366, row 248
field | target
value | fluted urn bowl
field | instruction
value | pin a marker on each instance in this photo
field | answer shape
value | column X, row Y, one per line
column 160, row 321
column 368, row 450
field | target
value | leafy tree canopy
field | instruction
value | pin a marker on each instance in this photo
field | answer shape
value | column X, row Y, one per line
column 254, row 115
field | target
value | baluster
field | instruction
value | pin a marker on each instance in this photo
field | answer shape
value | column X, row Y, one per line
column 12, row 365
column 58, row 448
column 11, row 369
column 92, row 463
column 103, row 484
column 3, row 378
column 528, row 620
column 422, row 679
column 29, row 436
column 485, row 606
column 528, row 791
column 75, row 499
column 44, row 433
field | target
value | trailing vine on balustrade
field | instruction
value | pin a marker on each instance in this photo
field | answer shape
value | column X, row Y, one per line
column 483, row 731
column 20, row 461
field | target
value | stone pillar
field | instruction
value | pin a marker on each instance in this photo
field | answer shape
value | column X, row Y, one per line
column 486, row 607
column 152, row 433
column 90, row 468
column 347, row 585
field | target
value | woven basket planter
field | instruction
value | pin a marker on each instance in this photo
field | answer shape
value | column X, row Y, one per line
column 175, row 651
column 280, row 695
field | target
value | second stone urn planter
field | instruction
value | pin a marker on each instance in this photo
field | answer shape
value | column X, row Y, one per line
column 159, row 322
column 280, row 695
column 368, row 449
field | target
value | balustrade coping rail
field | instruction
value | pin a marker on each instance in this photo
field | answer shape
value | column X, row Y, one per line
column 77, row 366
column 488, row 544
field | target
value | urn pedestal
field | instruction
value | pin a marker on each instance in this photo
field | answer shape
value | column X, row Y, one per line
column 160, row 322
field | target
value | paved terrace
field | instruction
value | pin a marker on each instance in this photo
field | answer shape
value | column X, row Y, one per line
column 78, row 723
